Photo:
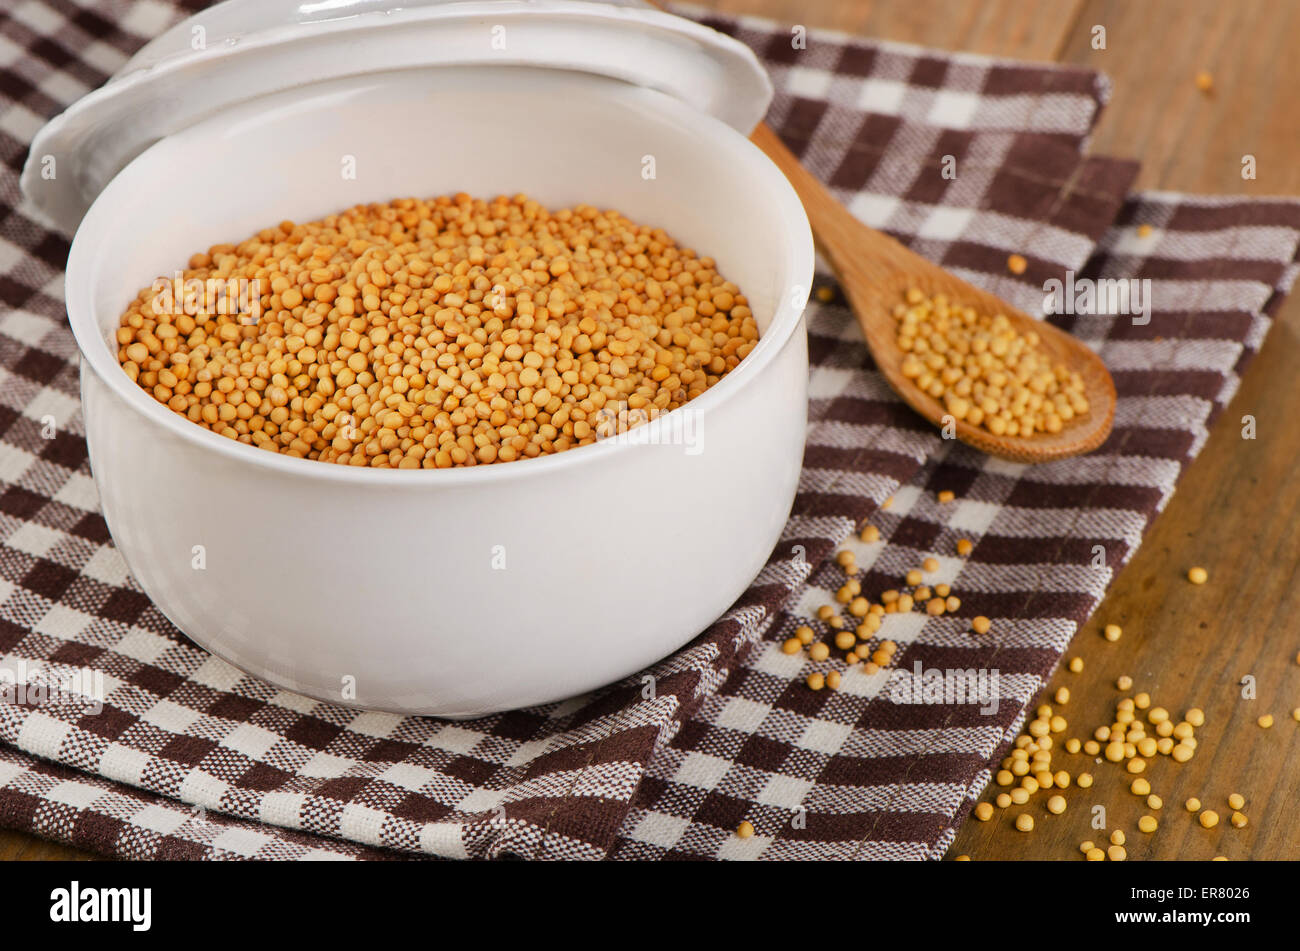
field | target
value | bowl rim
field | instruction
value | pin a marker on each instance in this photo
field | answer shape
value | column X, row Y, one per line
column 96, row 355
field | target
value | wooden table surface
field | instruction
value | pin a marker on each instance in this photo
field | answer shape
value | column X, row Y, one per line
column 1234, row 511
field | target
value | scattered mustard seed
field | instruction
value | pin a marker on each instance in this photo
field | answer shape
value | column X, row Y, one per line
column 1198, row 575
column 1016, row 264
column 1076, row 665
column 1209, row 818
column 984, row 812
column 1056, row 805
column 1238, row 820
column 1112, row 632
column 1265, row 721
column 964, row 546
column 744, row 830
column 1193, row 804
column 1236, row 800
column 1025, row 822
column 1147, row 824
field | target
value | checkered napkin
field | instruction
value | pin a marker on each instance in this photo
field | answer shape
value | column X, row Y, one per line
column 190, row 758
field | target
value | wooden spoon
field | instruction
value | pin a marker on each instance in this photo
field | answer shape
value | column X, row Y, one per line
column 875, row 271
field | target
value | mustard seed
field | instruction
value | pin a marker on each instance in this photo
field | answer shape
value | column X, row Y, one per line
column 1195, row 716
column 1084, row 780
column 1017, row 264
column 845, row 640
column 946, row 496
column 1238, row 820
column 1086, row 846
column 964, row 546
column 1056, row 805
column 1155, row 802
column 1198, row 575
column 1265, row 721
column 819, row 651
column 804, row 635
column 984, row 812
column 1116, row 853
column 1020, row 795
column 1209, row 818
column 1096, row 855
column 1117, row 837
column 1236, row 800
column 791, row 646
column 1025, row 822
column 1193, row 804
column 833, row 680
column 1091, row 747
column 816, row 681
column 870, row 534
column 1112, row 632
column 1076, row 665
column 744, row 830
column 439, row 333
column 1125, row 682
column 1147, row 824
column 980, row 624
column 1140, row 787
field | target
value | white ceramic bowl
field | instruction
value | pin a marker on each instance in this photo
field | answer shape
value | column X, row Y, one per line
column 317, row 576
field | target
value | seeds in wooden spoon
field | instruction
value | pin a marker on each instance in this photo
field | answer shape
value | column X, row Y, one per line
column 983, row 370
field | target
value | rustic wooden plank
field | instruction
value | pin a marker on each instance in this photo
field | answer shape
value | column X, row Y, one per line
column 1188, row 140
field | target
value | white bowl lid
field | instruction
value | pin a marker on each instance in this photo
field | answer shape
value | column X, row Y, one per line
column 241, row 49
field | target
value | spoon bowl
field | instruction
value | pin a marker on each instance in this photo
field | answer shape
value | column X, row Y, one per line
column 875, row 272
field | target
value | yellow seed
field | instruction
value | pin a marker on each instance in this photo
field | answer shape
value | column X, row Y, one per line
column 1116, row 853
column 1140, row 787
column 1198, row 575
column 1086, row 846
column 1193, row 804
column 819, row 651
column 1238, row 820
column 744, row 830
column 1136, row 765
column 1025, row 822
column 1096, row 855
column 1195, row 716
column 1265, row 721
column 804, row 635
column 1004, row 777
column 946, row 496
column 825, row 294
column 1076, row 664
column 1236, row 800
column 980, row 624
column 1091, row 747
column 1056, row 805
column 1020, row 795
column 964, row 546
column 1155, row 802
column 1219, row 858
column 1016, row 264
column 1084, row 780
column 1147, row 824
column 1125, row 682
column 1117, row 837
column 1182, row 753
column 984, row 812
column 1115, row 752
column 1157, row 714
column 1209, row 818
column 1144, row 230
column 845, row 640
column 833, row 680
column 1003, row 800
column 962, row 858
column 1029, row 784
column 1112, row 632
column 1142, row 700
column 816, row 681
column 1072, row 745
column 1063, row 695
column 870, row 533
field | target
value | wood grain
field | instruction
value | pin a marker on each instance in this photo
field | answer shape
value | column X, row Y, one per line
column 1234, row 509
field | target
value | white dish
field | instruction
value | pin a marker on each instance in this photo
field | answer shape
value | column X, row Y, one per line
column 318, row 576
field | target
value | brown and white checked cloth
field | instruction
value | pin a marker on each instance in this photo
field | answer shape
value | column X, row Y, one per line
column 191, row 759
